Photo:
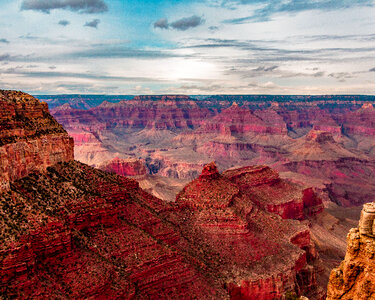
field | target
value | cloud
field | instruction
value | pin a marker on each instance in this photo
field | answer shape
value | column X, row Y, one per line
column 272, row 52
column 187, row 23
column 162, row 24
column 4, row 41
column 109, row 52
column 244, row 72
column 93, row 23
column 266, row 69
column 64, row 22
column 5, row 57
column 271, row 7
column 53, row 74
column 81, row 6
column 181, row 24
column 341, row 76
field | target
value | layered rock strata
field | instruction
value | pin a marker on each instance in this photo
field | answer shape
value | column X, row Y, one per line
column 30, row 138
column 227, row 216
column 367, row 221
column 295, row 135
column 125, row 167
column 355, row 277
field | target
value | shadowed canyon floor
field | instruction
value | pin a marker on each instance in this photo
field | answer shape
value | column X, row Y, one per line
column 72, row 231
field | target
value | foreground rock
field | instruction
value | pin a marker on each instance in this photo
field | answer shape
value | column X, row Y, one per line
column 355, row 277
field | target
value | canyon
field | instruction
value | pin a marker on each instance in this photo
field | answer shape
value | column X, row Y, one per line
column 322, row 141
column 69, row 230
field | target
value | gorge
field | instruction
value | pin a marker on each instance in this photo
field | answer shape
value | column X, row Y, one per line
column 72, row 231
column 270, row 226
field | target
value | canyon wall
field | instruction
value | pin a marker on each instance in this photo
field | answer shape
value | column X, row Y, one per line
column 125, row 167
column 300, row 136
column 30, row 138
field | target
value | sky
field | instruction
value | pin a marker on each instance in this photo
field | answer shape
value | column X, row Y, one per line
column 188, row 47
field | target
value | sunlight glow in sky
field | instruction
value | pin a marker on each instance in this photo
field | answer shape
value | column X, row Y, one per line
column 188, row 47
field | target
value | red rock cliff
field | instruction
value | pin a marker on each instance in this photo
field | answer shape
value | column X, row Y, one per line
column 30, row 138
column 258, row 260
column 125, row 167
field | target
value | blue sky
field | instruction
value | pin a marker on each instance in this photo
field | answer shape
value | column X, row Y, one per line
column 188, row 47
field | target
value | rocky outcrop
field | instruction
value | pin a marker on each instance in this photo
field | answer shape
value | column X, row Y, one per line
column 125, row 167
column 367, row 221
column 30, row 138
column 227, row 216
column 274, row 194
column 78, row 232
column 354, row 278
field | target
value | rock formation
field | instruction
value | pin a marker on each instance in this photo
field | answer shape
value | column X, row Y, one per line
column 224, row 213
column 71, row 231
column 274, row 194
column 30, row 138
column 367, row 221
column 125, row 167
column 355, row 277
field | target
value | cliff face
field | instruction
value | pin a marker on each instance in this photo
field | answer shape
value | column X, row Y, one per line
column 30, row 138
column 274, row 194
column 125, row 167
column 77, row 232
column 355, row 277
column 160, row 112
column 226, row 214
